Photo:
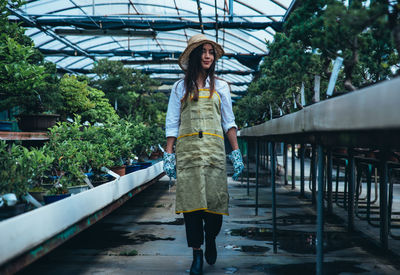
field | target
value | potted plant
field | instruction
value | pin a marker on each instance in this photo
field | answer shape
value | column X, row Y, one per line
column 78, row 149
column 116, row 136
column 38, row 164
column 21, row 169
column 27, row 82
column 70, row 162
column 13, row 180
column 56, row 193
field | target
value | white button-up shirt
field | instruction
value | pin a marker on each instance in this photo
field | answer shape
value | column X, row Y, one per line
column 172, row 120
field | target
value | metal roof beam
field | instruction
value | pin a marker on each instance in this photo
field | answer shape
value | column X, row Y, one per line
column 100, row 32
column 157, row 25
column 200, row 18
column 26, row 20
column 150, row 62
column 167, row 91
column 152, row 16
column 165, row 71
column 133, row 53
column 63, row 10
column 171, row 81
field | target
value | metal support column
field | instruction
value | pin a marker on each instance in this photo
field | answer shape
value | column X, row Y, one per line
column 248, row 168
column 320, row 213
column 263, row 156
column 329, row 179
column 285, row 163
column 383, row 203
column 267, row 157
column 302, row 170
column 313, row 174
column 369, row 186
column 293, row 167
column 257, row 166
column 350, row 205
column 273, row 187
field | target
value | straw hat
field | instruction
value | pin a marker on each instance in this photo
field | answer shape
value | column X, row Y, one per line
column 194, row 42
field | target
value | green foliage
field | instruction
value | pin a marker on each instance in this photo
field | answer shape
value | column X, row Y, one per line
column 316, row 33
column 21, row 168
column 67, row 149
column 102, row 110
column 20, row 81
column 118, row 141
column 74, row 96
column 130, row 90
column 25, row 79
column 78, row 98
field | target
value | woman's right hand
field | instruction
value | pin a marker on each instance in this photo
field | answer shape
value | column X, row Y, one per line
column 169, row 164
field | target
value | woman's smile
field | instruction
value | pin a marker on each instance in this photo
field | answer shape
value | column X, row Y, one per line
column 207, row 57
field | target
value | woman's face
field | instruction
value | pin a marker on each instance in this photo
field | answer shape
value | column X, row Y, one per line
column 207, row 57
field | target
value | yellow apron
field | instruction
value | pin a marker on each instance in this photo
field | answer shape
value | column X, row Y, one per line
column 200, row 157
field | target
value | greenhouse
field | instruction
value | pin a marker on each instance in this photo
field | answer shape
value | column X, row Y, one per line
column 199, row 137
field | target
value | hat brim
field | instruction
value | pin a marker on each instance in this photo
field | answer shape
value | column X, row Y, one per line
column 183, row 60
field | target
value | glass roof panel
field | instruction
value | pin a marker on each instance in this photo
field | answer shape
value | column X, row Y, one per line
column 79, row 30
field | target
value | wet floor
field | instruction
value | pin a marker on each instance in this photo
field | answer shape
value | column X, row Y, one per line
column 145, row 236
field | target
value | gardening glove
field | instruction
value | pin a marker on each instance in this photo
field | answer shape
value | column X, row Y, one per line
column 169, row 164
column 237, row 161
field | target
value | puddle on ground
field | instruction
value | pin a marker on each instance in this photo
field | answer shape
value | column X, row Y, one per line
column 104, row 236
column 297, row 241
column 330, row 268
column 178, row 221
column 248, row 248
column 254, row 248
column 252, row 222
column 268, row 205
column 230, row 270
column 293, row 219
column 129, row 253
column 143, row 238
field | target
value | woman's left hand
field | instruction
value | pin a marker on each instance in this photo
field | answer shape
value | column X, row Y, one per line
column 237, row 161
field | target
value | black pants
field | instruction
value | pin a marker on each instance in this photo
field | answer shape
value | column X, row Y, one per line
column 195, row 229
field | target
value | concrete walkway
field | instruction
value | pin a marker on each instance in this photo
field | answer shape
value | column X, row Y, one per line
column 145, row 236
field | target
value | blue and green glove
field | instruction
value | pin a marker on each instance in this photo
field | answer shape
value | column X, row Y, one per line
column 237, row 161
column 169, row 164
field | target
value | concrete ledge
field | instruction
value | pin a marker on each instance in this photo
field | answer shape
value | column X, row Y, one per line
column 30, row 229
column 372, row 108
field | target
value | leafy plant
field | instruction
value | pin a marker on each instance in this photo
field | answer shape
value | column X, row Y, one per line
column 365, row 34
column 26, row 80
column 130, row 91
column 20, row 81
column 102, row 111
column 74, row 95
column 21, row 168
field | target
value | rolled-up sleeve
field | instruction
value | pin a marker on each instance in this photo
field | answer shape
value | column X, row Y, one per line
column 228, row 118
column 172, row 120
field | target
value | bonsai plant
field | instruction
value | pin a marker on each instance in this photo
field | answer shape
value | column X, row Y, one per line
column 78, row 97
column 22, row 169
column 26, row 80
column 78, row 149
column 13, row 176
column 30, row 87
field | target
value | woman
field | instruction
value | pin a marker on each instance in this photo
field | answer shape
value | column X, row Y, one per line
column 198, row 106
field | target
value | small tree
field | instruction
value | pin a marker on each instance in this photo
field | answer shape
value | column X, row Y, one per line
column 78, row 98
column 26, row 80
column 129, row 90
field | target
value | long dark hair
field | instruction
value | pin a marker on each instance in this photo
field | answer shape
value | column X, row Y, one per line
column 193, row 70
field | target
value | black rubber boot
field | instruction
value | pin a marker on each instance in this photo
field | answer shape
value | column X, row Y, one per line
column 197, row 264
column 211, row 251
